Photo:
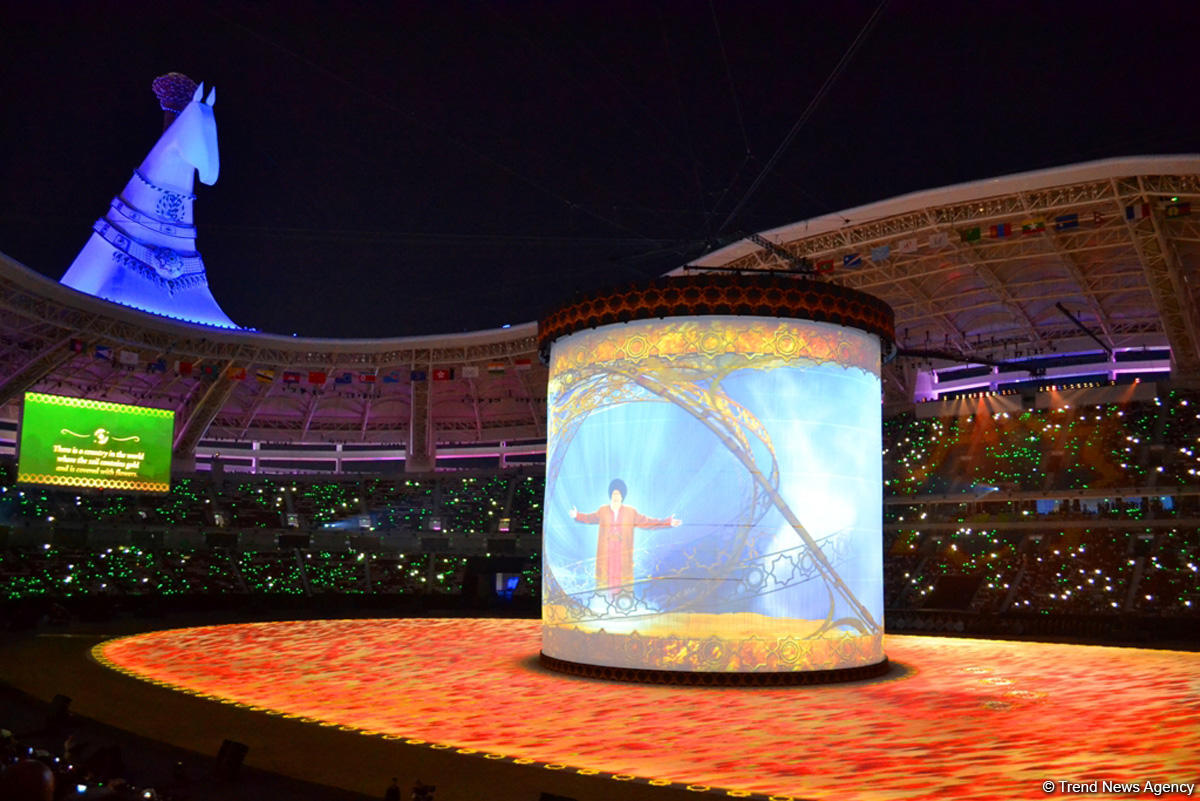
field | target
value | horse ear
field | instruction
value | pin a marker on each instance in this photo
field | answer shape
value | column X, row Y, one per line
column 199, row 93
column 212, row 96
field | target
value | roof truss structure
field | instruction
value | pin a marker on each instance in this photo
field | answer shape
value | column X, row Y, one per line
column 980, row 270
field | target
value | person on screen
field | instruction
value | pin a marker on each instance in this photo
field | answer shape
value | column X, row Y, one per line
column 614, row 546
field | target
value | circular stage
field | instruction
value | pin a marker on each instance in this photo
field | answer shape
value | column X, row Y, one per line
column 953, row 718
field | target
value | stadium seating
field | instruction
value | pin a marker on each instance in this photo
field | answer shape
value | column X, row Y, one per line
column 1088, row 512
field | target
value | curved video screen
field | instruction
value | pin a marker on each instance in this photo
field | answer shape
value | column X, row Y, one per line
column 713, row 496
column 75, row 442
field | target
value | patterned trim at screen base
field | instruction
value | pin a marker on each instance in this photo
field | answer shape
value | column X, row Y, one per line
column 714, row 679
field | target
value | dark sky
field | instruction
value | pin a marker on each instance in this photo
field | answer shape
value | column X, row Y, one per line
column 448, row 166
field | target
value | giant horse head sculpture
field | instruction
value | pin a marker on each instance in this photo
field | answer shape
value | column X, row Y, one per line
column 189, row 142
column 142, row 252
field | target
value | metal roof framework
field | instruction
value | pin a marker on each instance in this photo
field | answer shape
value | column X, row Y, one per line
column 1112, row 241
column 48, row 336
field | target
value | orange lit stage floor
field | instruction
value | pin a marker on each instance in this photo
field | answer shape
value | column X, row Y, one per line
column 956, row 718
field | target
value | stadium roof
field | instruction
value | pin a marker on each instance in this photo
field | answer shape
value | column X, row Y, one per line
column 976, row 270
column 483, row 386
column 997, row 269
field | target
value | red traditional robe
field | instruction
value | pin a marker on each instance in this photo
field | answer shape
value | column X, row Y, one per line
column 614, row 546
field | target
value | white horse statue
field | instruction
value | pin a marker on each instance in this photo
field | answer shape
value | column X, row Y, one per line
column 142, row 253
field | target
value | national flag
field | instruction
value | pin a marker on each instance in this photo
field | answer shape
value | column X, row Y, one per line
column 495, row 368
column 236, row 373
column 1066, row 221
column 1000, row 230
column 184, row 368
column 264, row 376
column 392, row 377
column 127, row 356
column 523, row 364
column 367, row 378
column 290, row 377
column 343, row 378
column 1179, row 209
column 971, row 234
column 907, row 245
column 1137, row 212
column 77, row 345
column 316, row 377
column 1033, row 227
column 443, row 373
column 417, row 375
column 103, row 352
column 880, row 253
column 851, row 260
column 470, row 371
column 939, row 240
column 208, row 370
column 824, row 266
column 157, row 366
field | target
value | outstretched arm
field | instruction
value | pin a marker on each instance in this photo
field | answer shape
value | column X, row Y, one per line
column 584, row 517
column 641, row 521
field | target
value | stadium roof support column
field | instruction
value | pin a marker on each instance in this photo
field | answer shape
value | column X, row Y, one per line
column 1166, row 282
column 970, row 257
column 259, row 398
column 421, row 456
column 34, row 370
column 899, row 382
column 202, row 415
column 538, row 422
column 1070, row 260
column 309, row 414
column 900, row 276
column 366, row 419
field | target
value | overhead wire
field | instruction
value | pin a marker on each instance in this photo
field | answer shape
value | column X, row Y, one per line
column 668, row 55
column 748, row 155
column 374, row 235
column 631, row 121
column 685, row 248
column 414, row 119
column 847, row 56
column 737, row 104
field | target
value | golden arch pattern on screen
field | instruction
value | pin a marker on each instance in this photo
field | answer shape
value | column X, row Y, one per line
column 712, row 496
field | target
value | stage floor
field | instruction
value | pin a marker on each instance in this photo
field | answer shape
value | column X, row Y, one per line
column 955, row 718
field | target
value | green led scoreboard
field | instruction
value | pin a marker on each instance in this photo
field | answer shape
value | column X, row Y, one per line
column 75, row 442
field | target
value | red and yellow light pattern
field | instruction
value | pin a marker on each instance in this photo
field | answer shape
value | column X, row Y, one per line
column 698, row 642
column 752, row 341
column 967, row 719
column 707, row 294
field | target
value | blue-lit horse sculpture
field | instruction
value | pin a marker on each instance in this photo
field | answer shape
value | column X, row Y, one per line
column 142, row 253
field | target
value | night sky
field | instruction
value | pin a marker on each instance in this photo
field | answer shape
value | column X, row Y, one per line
column 453, row 166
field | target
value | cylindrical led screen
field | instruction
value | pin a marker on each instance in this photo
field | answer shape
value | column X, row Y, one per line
column 713, row 496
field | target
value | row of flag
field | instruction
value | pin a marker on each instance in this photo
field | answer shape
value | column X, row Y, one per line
column 850, row 261
column 320, row 377
column 132, row 359
column 940, row 239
